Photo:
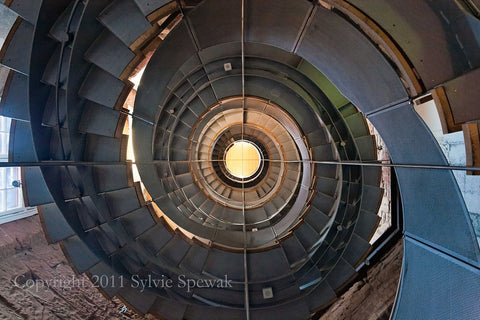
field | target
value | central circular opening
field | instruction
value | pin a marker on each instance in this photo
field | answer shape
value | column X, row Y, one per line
column 242, row 159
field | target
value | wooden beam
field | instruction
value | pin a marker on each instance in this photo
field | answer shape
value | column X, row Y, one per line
column 444, row 111
column 471, row 134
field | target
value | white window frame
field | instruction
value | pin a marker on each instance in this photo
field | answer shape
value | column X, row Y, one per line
column 21, row 211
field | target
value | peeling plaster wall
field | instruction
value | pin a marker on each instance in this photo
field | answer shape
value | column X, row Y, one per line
column 453, row 146
column 25, row 258
column 372, row 297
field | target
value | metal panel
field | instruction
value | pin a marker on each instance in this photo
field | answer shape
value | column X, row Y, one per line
column 452, row 52
column 148, row 6
column 317, row 219
column 100, row 120
column 350, row 61
column 14, row 103
column 21, row 143
column 366, row 224
column 448, row 288
column 110, row 54
column 122, row 201
column 194, row 259
column 79, row 254
column 278, row 23
column 155, row 239
column 175, row 250
column 220, row 263
column 355, row 250
column 34, row 187
column 27, row 9
column 101, row 87
column 127, row 27
column 321, row 295
column 110, row 178
column 100, row 148
column 173, row 52
column 196, row 312
column 17, row 55
column 138, row 222
column 293, row 249
column 56, row 227
column 266, row 265
column 428, row 212
column 297, row 310
column 342, row 272
column 215, row 22
column 168, row 309
column 141, row 302
column 463, row 96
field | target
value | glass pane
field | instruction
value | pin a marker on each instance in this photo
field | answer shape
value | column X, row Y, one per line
column 13, row 199
column 5, row 124
column 3, row 200
column 12, row 174
column 3, row 178
column 3, row 145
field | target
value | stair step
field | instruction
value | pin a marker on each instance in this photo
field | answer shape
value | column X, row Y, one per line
column 103, row 88
column 357, row 125
column 35, row 190
column 312, row 277
column 54, row 223
column 367, row 148
column 266, row 265
column 156, row 238
column 323, row 152
column 195, row 259
column 27, row 9
column 317, row 219
column 138, row 221
column 122, row 201
column 306, row 235
column 294, row 250
column 327, row 170
column 149, row 6
column 218, row 261
column 366, row 224
column 328, row 186
column 18, row 47
column 127, row 28
column 14, row 101
column 372, row 175
column 80, row 255
column 371, row 198
column 175, row 250
column 59, row 29
column 100, row 148
column 348, row 110
column 50, row 73
column 51, row 117
column 109, row 288
column 141, row 302
column 321, row 296
column 342, row 272
column 318, row 137
column 324, row 203
column 110, row 54
column 102, row 121
column 356, row 249
column 21, row 147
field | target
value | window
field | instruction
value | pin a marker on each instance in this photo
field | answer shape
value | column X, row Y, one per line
column 11, row 199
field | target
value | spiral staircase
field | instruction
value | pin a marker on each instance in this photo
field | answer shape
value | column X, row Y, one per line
column 290, row 235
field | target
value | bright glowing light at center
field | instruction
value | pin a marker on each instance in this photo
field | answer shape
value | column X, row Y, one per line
column 242, row 159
